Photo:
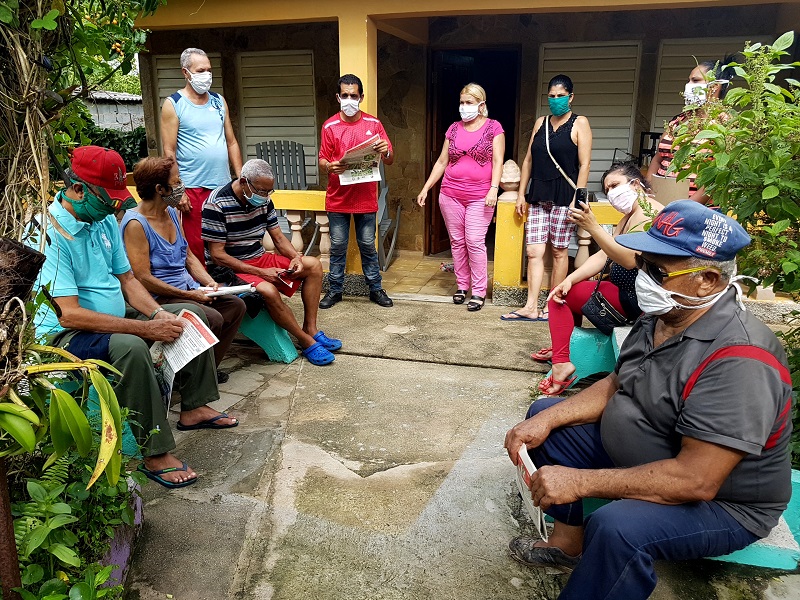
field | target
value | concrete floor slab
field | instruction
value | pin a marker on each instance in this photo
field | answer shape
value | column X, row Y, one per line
column 381, row 476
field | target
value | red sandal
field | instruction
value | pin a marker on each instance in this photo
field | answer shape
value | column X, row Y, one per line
column 548, row 382
column 543, row 355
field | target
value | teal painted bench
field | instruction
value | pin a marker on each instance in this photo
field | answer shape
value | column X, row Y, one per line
column 781, row 548
column 272, row 339
column 593, row 352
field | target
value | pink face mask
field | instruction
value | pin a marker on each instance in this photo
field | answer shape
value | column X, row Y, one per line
column 623, row 197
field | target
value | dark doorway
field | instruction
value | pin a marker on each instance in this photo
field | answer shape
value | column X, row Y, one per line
column 497, row 71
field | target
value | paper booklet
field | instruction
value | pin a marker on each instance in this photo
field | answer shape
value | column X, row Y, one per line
column 222, row 291
column 526, row 468
column 363, row 163
column 170, row 357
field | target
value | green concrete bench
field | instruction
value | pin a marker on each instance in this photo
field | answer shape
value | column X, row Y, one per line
column 781, row 548
column 272, row 339
column 592, row 352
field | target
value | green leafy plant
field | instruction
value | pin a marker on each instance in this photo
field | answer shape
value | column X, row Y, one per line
column 745, row 151
column 131, row 145
column 63, row 528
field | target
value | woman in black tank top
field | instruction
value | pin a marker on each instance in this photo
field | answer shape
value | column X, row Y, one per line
column 552, row 190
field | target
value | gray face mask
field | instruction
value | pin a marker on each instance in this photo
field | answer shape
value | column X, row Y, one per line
column 174, row 197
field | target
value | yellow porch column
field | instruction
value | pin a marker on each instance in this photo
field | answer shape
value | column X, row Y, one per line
column 509, row 245
column 358, row 54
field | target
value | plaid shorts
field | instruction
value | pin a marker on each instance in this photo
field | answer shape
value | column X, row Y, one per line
column 548, row 223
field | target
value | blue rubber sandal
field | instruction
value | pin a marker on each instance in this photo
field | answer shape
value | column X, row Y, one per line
column 318, row 355
column 156, row 476
column 330, row 344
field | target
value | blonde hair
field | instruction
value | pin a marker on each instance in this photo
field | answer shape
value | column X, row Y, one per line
column 477, row 92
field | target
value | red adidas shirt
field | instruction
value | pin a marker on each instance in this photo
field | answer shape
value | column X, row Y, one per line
column 337, row 138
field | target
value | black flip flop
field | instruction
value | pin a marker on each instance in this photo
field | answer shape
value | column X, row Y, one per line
column 171, row 485
column 207, row 424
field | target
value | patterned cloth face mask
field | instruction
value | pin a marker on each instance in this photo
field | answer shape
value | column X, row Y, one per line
column 174, row 197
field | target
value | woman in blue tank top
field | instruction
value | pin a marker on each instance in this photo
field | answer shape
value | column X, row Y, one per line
column 160, row 257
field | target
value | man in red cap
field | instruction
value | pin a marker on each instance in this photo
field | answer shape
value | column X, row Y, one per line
column 100, row 310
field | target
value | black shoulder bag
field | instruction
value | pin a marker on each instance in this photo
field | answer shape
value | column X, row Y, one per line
column 599, row 310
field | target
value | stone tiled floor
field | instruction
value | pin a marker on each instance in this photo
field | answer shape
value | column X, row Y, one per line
column 413, row 273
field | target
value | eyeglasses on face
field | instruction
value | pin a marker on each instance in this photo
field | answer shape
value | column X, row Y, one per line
column 260, row 192
column 658, row 274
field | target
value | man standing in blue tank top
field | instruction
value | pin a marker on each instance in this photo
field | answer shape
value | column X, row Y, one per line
column 196, row 131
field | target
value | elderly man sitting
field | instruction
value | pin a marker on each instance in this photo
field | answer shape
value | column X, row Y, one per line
column 90, row 280
column 691, row 432
column 235, row 218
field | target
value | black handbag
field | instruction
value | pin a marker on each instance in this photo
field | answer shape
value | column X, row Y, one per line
column 599, row 310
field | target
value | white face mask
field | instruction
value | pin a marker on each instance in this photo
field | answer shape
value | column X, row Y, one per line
column 655, row 300
column 200, row 82
column 468, row 112
column 694, row 94
column 349, row 106
column 623, row 197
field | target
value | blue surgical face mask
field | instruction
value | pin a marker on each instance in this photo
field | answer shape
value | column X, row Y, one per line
column 254, row 199
column 559, row 106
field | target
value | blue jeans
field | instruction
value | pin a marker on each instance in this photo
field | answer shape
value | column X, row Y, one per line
column 623, row 539
column 365, row 236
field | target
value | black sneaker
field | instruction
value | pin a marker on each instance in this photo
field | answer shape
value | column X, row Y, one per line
column 380, row 298
column 222, row 377
column 329, row 300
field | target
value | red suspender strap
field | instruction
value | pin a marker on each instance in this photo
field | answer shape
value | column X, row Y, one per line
column 753, row 353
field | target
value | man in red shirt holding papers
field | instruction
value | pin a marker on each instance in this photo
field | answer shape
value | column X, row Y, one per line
column 346, row 129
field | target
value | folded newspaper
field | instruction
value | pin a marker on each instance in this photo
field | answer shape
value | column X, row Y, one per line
column 526, row 468
column 363, row 163
column 222, row 291
column 170, row 357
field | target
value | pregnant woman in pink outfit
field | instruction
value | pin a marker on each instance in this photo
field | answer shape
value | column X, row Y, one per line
column 471, row 162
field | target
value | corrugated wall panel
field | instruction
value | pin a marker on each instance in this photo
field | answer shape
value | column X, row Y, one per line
column 278, row 102
column 676, row 59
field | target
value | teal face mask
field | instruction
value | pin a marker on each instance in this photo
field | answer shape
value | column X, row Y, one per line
column 559, row 106
column 92, row 208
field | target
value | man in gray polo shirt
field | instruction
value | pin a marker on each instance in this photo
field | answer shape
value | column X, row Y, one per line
column 690, row 434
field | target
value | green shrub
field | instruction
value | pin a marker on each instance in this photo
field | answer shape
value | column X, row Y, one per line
column 132, row 145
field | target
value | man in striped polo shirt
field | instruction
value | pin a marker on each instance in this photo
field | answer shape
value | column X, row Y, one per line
column 235, row 218
column 690, row 435
column 346, row 129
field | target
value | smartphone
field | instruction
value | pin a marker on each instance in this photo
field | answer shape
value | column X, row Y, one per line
column 581, row 195
column 287, row 272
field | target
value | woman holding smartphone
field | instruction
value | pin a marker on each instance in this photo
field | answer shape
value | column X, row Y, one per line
column 630, row 193
column 556, row 164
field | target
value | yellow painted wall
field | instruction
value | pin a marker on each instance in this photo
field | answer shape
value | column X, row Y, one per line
column 180, row 14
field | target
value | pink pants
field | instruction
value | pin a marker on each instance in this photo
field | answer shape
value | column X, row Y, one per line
column 565, row 317
column 467, row 222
